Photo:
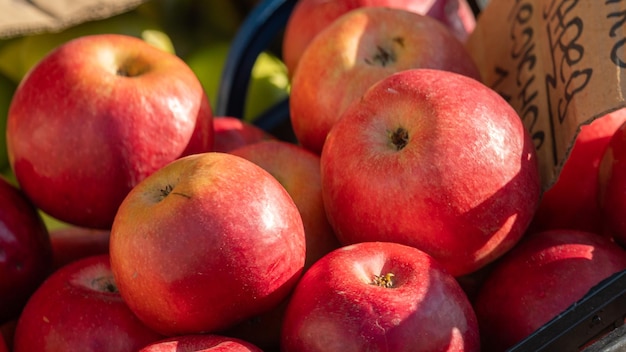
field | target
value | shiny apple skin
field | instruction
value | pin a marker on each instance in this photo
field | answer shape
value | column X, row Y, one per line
column 201, row 342
column 337, row 307
column 206, row 242
column 79, row 309
column 25, row 250
column 538, row 279
column 462, row 185
column 96, row 116
column 231, row 133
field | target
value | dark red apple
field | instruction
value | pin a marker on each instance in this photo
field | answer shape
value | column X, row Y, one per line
column 379, row 296
column 573, row 202
column 434, row 160
column 612, row 186
column 25, row 250
column 199, row 343
column 232, row 133
column 538, row 279
column 78, row 308
column 71, row 243
column 206, row 242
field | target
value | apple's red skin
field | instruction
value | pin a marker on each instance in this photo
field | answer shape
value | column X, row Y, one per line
column 309, row 17
column 225, row 244
column 356, row 51
column 335, row 306
column 231, row 133
column 298, row 170
column 72, row 243
column 199, row 343
column 25, row 250
column 542, row 276
column 76, row 309
column 3, row 345
column 7, row 331
column 80, row 136
column 465, row 186
column 612, row 185
column 573, row 202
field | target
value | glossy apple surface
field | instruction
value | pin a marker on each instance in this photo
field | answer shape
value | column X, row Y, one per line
column 78, row 308
column 71, row 243
column 309, row 17
column 25, row 250
column 612, row 185
column 356, row 51
column 434, row 160
column 379, row 296
column 203, row 342
column 96, row 116
column 298, row 170
column 538, row 279
column 231, row 133
column 573, row 202
column 206, row 242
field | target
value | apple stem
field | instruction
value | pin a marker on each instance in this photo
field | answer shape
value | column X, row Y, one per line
column 399, row 138
column 383, row 280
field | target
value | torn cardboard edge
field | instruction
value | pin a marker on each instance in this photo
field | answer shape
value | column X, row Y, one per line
column 23, row 17
column 560, row 64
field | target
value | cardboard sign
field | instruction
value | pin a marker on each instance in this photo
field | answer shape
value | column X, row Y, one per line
column 23, row 17
column 560, row 63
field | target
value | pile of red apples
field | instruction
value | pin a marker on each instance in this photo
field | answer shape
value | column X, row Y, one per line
column 408, row 216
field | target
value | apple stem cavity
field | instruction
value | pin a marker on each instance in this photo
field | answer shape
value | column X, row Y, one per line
column 131, row 68
column 104, row 284
column 385, row 281
column 399, row 138
column 385, row 56
column 164, row 192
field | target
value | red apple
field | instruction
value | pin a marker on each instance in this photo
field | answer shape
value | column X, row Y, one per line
column 206, row 242
column 298, row 170
column 612, row 186
column 203, row 342
column 78, row 308
column 434, row 160
column 357, row 50
column 3, row 345
column 538, row 279
column 231, row 133
column 25, row 250
column 96, row 116
column 573, row 200
column 71, row 243
column 379, row 296
column 7, row 332
column 309, row 17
